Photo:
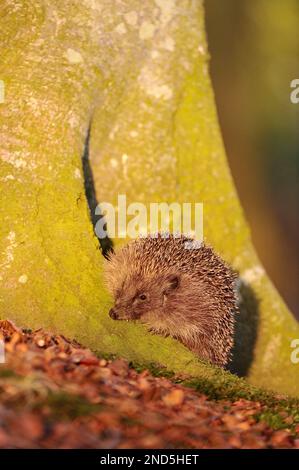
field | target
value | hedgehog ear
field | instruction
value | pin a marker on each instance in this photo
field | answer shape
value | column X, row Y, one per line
column 171, row 283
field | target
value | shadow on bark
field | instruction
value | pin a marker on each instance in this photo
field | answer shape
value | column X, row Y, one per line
column 247, row 322
column 106, row 243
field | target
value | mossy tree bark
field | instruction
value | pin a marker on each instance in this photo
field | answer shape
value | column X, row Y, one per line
column 137, row 76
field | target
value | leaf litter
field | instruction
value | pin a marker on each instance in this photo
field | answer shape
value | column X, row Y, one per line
column 56, row 394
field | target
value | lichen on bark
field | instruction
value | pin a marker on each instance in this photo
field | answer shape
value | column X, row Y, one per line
column 137, row 77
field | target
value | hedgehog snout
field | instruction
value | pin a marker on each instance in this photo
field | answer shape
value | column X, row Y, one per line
column 119, row 314
column 113, row 313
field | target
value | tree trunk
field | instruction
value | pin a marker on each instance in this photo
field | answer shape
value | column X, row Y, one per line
column 137, row 78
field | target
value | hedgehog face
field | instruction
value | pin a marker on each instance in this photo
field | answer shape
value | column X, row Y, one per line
column 138, row 298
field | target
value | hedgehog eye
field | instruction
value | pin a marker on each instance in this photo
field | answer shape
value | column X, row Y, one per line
column 142, row 297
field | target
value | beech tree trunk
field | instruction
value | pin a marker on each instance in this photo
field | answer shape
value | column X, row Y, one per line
column 134, row 78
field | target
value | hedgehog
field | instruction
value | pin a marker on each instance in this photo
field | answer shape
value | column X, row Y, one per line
column 176, row 289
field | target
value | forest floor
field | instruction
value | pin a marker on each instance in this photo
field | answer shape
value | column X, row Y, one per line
column 56, row 394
